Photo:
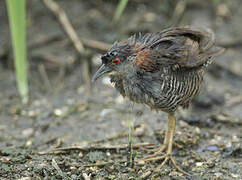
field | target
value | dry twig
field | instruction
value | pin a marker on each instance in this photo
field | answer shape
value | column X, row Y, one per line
column 225, row 118
column 69, row 30
column 178, row 12
column 59, row 171
column 226, row 69
column 44, row 76
column 65, row 23
column 96, row 44
column 88, row 147
column 233, row 101
column 146, row 174
column 232, row 44
column 99, row 164
column 101, row 46
column 43, row 41
column 112, row 137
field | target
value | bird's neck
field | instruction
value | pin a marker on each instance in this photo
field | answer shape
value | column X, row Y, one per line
column 128, row 71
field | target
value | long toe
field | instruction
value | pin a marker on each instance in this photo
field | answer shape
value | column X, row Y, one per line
column 151, row 158
column 155, row 151
column 168, row 158
column 156, row 154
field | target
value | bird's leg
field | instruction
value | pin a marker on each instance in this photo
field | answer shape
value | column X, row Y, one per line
column 168, row 141
column 160, row 149
column 164, row 146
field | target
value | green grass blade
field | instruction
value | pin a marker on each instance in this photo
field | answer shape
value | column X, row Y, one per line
column 130, row 139
column 131, row 142
column 16, row 13
column 121, row 6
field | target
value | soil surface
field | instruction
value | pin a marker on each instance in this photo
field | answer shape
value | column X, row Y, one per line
column 68, row 131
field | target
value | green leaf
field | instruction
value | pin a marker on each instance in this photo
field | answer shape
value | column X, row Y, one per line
column 121, row 6
column 16, row 13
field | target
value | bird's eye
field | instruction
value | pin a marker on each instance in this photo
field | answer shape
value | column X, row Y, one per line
column 113, row 53
column 116, row 61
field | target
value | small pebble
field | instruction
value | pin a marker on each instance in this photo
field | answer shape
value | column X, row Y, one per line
column 28, row 143
column 235, row 175
column 235, row 138
column 197, row 130
column 58, row 112
column 25, row 178
column 183, row 123
column 218, row 174
column 223, row 10
column 72, row 168
column 80, row 155
column 199, row 164
column 145, row 175
column 131, row 169
column 139, row 131
column 150, row 17
column 105, row 112
column 32, row 113
column 27, row 132
column 81, row 90
column 141, row 163
column 175, row 173
column 73, row 176
column 212, row 148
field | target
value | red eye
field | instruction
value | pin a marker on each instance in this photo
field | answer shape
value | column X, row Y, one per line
column 116, row 61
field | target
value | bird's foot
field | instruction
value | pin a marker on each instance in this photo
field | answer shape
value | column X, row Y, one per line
column 166, row 158
column 168, row 141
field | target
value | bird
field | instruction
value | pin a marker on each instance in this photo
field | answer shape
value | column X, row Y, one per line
column 164, row 70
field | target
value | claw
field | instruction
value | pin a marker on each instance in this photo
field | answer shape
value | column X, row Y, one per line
column 167, row 158
column 168, row 141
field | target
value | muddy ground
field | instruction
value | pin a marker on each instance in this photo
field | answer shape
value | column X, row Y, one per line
column 70, row 132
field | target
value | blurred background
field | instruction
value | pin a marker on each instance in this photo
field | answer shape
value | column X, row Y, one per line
column 50, row 102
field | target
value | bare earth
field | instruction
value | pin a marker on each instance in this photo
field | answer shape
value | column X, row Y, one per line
column 69, row 132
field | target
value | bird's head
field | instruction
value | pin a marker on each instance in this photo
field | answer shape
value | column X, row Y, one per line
column 114, row 61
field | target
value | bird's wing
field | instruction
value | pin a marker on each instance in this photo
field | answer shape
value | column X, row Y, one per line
column 176, row 46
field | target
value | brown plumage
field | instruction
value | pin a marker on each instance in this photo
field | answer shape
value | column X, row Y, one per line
column 163, row 70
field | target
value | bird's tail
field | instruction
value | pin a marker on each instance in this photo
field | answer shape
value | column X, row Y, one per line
column 208, row 46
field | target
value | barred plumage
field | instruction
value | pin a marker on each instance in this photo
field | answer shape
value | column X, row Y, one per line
column 177, row 89
column 172, row 61
column 163, row 70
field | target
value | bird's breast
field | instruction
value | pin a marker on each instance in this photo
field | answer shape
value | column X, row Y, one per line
column 144, row 89
column 164, row 90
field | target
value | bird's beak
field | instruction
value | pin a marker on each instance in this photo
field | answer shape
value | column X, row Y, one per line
column 101, row 71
